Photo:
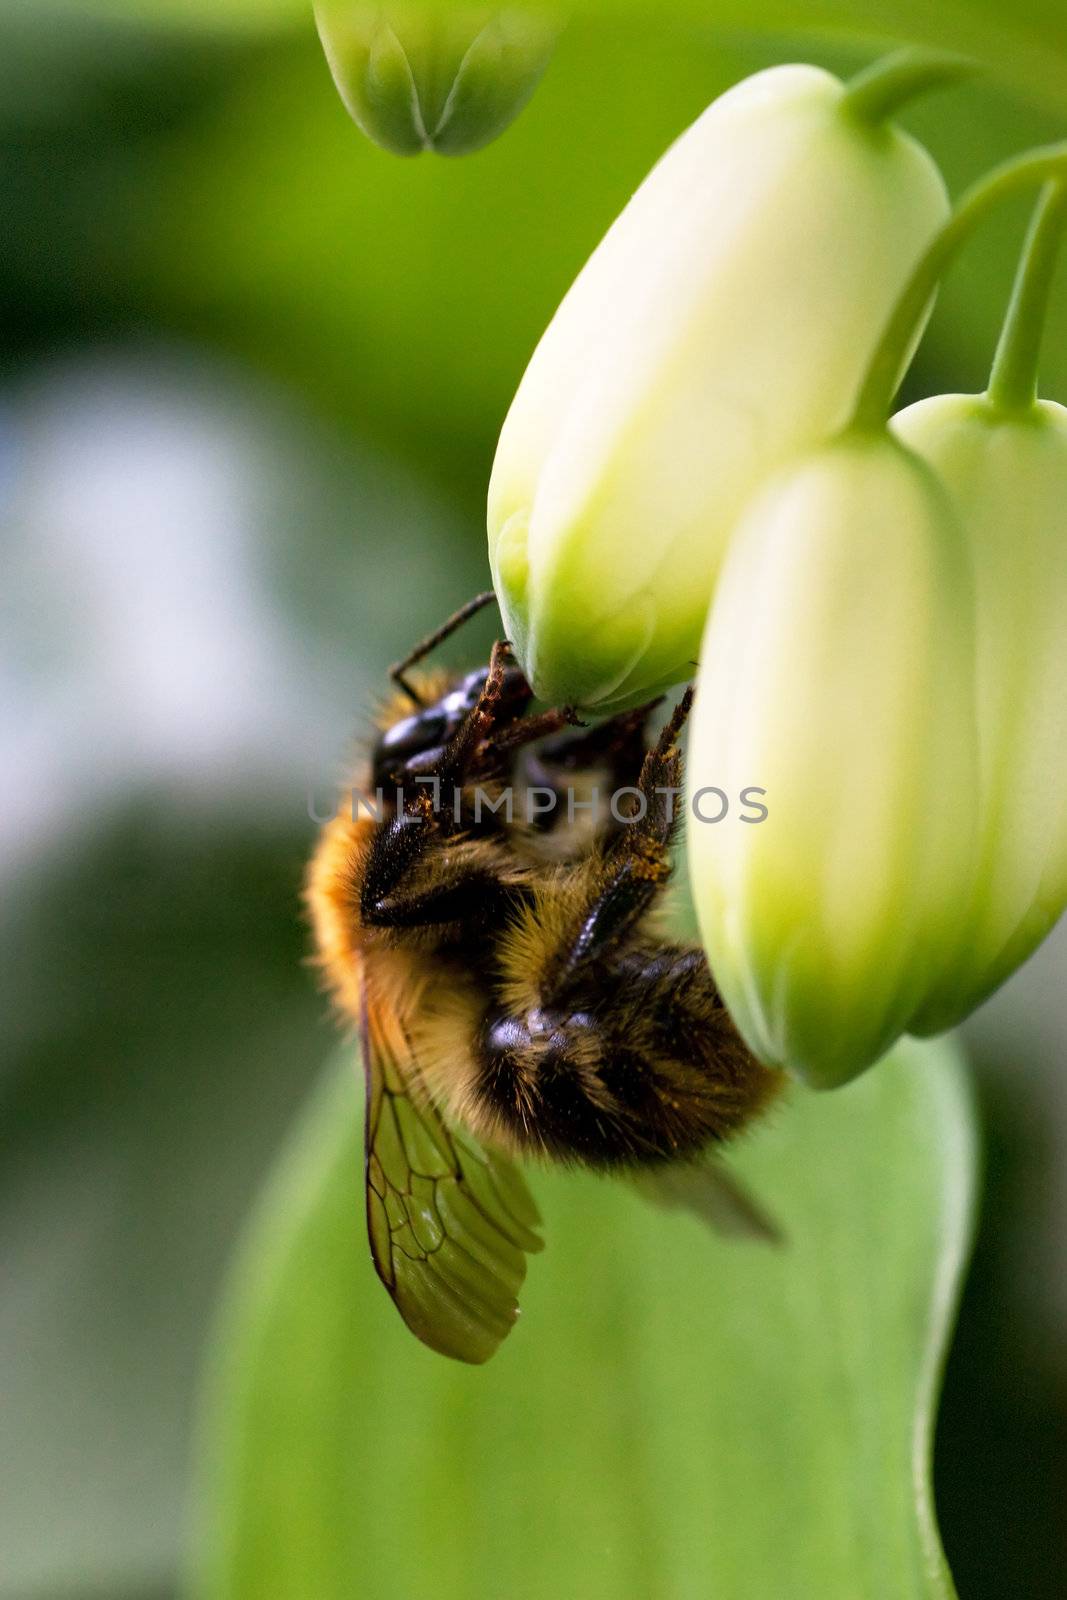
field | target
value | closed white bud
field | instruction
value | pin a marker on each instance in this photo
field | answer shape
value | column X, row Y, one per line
column 836, row 674
column 1007, row 475
column 723, row 324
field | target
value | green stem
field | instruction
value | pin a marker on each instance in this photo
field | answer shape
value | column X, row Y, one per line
column 1013, row 379
column 880, row 89
column 886, row 365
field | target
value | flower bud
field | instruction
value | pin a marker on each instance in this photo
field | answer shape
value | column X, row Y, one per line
column 1007, row 474
column 416, row 79
column 721, row 326
column 836, row 675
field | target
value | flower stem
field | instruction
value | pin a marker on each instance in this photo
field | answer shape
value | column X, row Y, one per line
column 883, row 373
column 880, row 89
column 1013, row 379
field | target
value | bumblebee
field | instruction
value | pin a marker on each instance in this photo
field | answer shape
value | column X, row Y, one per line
column 513, row 997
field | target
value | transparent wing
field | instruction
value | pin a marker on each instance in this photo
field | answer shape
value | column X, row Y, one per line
column 450, row 1224
column 709, row 1192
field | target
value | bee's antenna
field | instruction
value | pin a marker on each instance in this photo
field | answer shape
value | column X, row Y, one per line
column 432, row 640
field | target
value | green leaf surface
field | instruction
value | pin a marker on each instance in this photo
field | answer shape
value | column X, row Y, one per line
column 676, row 1415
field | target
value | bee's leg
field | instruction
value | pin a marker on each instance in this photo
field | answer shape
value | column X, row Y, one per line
column 624, row 881
column 428, row 823
column 466, row 897
column 615, row 747
column 388, row 901
column 618, row 744
column 482, row 722
column 660, row 780
column 525, row 730
column 432, row 640
column 490, row 729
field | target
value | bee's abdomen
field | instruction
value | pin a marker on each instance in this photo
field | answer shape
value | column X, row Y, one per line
column 650, row 1070
column 541, row 1078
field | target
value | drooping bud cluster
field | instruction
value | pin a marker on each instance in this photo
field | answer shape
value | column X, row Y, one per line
column 698, row 466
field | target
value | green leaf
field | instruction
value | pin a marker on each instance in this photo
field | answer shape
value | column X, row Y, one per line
column 676, row 1414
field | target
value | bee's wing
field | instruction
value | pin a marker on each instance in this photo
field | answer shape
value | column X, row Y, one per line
column 710, row 1192
column 449, row 1223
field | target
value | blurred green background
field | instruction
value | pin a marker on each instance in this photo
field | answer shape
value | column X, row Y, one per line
column 253, row 372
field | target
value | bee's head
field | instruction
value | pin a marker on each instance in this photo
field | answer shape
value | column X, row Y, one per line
column 413, row 747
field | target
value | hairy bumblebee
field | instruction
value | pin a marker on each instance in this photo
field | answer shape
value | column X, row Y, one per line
column 512, row 996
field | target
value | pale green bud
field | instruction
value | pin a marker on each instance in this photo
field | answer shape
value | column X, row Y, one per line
column 722, row 325
column 836, row 675
column 425, row 79
column 1007, row 474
